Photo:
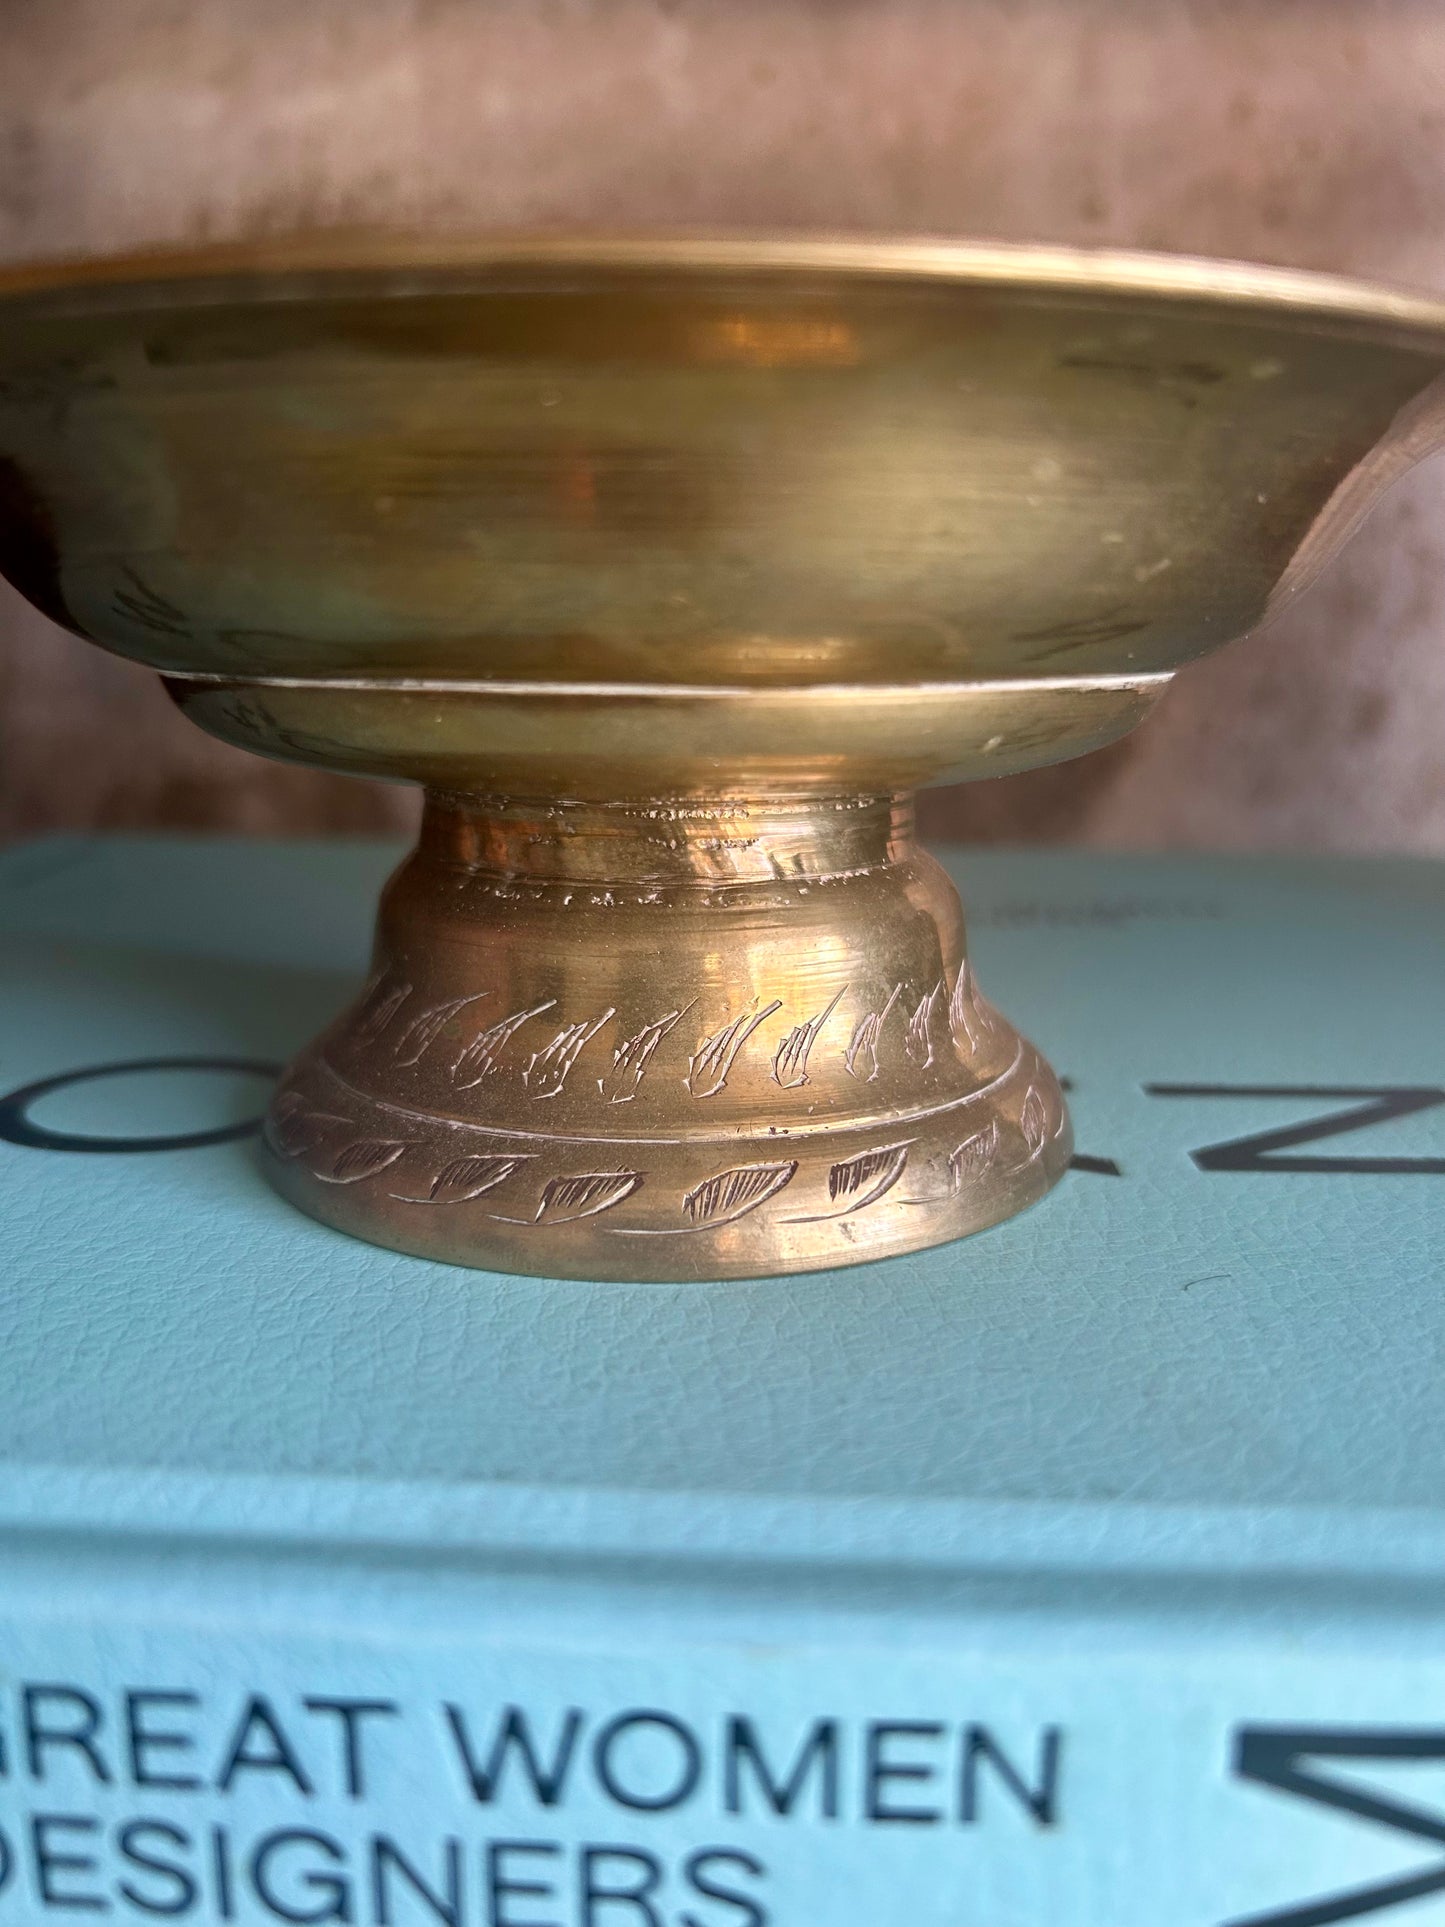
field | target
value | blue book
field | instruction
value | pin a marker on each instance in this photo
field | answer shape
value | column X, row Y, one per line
column 1088, row 1573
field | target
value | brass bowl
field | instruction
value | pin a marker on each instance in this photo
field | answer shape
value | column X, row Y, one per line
column 671, row 568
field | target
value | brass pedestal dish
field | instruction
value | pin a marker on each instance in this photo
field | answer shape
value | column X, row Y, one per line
column 671, row 569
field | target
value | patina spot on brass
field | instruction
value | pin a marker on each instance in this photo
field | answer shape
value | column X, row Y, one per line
column 672, row 568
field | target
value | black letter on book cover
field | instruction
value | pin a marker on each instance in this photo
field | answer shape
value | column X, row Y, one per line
column 442, row 1902
column 260, row 1745
column 878, row 1771
column 134, row 1839
column 18, row 1127
column 76, row 1726
column 1081, row 1160
column 742, row 1747
column 51, row 1859
column 614, row 1877
column 1261, row 1151
column 980, row 1749
column 702, row 1876
column 351, row 1713
column 514, row 1735
column 303, row 1879
column 687, row 1763
column 1282, row 1757
column 144, row 1740
column 503, row 1886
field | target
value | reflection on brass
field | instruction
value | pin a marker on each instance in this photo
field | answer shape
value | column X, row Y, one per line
column 672, row 568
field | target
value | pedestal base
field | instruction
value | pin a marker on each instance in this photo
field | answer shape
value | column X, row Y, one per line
column 699, row 1039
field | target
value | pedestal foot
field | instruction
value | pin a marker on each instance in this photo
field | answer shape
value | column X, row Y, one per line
column 669, row 1040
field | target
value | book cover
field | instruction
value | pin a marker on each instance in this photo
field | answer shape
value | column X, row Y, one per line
column 1087, row 1573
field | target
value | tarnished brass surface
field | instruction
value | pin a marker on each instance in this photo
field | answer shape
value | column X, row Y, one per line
column 668, row 1040
column 671, row 568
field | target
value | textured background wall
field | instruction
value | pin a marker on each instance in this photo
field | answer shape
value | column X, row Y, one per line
column 1310, row 133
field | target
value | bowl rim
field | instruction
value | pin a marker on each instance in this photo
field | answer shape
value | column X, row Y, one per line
column 398, row 262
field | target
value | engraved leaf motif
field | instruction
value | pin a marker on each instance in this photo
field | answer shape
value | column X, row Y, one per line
column 631, row 1058
column 1034, row 1120
column 972, row 1158
column 362, row 1158
column 482, row 1055
column 147, row 606
column 466, row 1178
column 965, row 1018
column 790, row 1060
column 547, row 1069
column 584, row 1195
column 288, row 1131
column 871, row 1174
column 918, row 1039
column 863, row 1047
column 293, row 1127
column 378, row 1010
column 713, row 1058
column 732, row 1194
column 425, row 1029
